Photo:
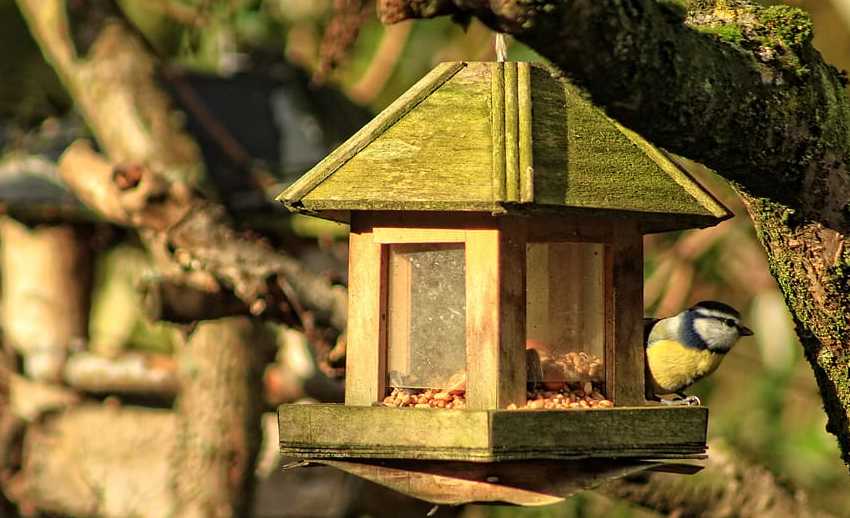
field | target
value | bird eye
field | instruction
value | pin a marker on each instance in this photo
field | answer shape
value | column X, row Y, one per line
column 729, row 322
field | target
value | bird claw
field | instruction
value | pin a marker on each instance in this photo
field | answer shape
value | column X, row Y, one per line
column 692, row 401
column 685, row 401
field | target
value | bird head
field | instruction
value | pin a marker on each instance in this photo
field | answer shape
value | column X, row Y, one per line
column 716, row 324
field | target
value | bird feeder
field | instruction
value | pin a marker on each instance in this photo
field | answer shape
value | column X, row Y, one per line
column 496, row 290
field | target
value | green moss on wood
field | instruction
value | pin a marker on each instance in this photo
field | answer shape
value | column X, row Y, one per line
column 784, row 34
column 726, row 32
column 339, row 431
column 822, row 325
column 479, row 141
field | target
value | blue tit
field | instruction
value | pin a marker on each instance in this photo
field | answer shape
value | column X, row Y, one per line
column 682, row 349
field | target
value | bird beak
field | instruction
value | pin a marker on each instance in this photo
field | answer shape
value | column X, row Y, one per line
column 745, row 331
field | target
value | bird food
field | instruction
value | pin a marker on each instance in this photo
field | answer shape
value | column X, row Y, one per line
column 569, row 397
column 555, row 371
column 426, row 398
column 565, row 382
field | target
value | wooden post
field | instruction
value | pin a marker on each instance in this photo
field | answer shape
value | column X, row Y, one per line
column 365, row 365
column 624, row 351
column 495, row 316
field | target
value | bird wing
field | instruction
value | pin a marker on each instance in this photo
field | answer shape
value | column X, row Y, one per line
column 648, row 324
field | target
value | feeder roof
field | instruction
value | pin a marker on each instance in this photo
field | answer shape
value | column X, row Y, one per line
column 502, row 138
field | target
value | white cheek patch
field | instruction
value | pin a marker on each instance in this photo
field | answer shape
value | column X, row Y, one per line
column 715, row 334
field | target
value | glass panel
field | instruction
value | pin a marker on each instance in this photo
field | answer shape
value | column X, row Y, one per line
column 426, row 306
column 565, row 312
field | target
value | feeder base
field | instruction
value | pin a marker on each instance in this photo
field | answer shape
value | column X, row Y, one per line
column 339, row 432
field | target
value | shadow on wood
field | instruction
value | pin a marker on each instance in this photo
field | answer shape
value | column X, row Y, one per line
column 517, row 483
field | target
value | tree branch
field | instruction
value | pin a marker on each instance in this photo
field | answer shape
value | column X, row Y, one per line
column 192, row 239
column 114, row 86
column 726, row 487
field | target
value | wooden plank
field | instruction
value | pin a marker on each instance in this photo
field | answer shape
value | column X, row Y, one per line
column 512, row 173
column 537, row 293
column 625, row 358
column 495, row 320
column 366, row 347
column 334, row 426
column 525, row 115
column 512, row 273
column 340, row 431
column 597, row 430
column 399, row 279
column 497, row 129
column 428, row 220
column 418, row 235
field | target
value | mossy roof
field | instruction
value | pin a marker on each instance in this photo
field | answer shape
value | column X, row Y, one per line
column 502, row 138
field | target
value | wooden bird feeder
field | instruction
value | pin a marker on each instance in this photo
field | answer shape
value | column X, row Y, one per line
column 496, row 266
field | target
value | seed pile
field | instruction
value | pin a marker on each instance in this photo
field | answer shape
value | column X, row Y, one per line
column 426, row 398
column 554, row 371
column 558, row 382
column 571, row 396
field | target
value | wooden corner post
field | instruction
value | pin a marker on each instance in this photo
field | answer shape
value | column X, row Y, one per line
column 365, row 364
column 624, row 351
column 495, row 316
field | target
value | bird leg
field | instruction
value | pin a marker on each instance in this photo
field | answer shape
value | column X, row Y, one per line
column 683, row 400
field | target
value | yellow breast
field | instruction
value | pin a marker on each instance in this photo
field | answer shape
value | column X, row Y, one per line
column 674, row 366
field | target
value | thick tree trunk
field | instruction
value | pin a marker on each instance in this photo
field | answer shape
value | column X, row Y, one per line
column 46, row 283
column 740, row 88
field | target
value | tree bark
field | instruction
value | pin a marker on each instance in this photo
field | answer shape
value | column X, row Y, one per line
column 218, row 425
column 740, row 88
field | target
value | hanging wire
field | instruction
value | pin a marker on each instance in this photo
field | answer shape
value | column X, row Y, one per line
column 501, row 48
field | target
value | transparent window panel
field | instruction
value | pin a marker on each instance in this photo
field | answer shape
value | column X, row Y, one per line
column 565, row 313
column 426, row 316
